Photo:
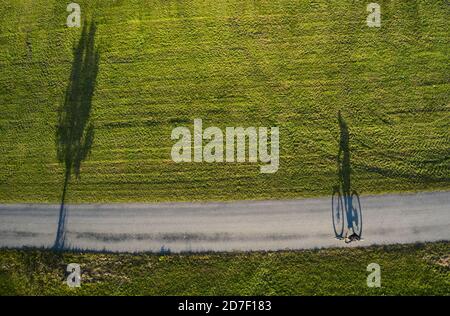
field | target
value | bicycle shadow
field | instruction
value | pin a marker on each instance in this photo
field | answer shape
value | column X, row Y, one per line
column 349, row 202
column 75, row 131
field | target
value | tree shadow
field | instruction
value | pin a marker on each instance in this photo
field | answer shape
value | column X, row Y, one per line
column 75, row 131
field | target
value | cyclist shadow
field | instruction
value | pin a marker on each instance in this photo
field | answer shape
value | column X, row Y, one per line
column 75, row 131
column 346, row 205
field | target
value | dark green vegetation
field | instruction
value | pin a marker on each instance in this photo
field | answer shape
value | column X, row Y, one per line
column 285, row 63
column 421, row 269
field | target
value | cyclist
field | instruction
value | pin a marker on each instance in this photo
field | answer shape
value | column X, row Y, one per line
column 344, row 176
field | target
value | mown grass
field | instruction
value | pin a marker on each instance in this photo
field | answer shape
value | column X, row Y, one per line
column 420, row 269
column 291, row 64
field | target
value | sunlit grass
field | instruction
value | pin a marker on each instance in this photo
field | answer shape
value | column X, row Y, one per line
column 420, row 269
column 291, row 64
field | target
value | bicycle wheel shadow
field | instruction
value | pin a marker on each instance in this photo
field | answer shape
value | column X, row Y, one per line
column 351, row 202
column 75, row 131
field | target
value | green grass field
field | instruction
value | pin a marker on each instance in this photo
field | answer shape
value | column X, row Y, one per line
column 291, row 64
column 421, row 269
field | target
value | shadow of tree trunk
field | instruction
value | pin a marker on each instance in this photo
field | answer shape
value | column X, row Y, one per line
column 75, row 131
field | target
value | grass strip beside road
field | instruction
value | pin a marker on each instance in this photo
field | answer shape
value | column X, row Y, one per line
column 414, row 269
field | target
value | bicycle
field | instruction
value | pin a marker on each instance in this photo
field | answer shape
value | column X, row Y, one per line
column 352, row 208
